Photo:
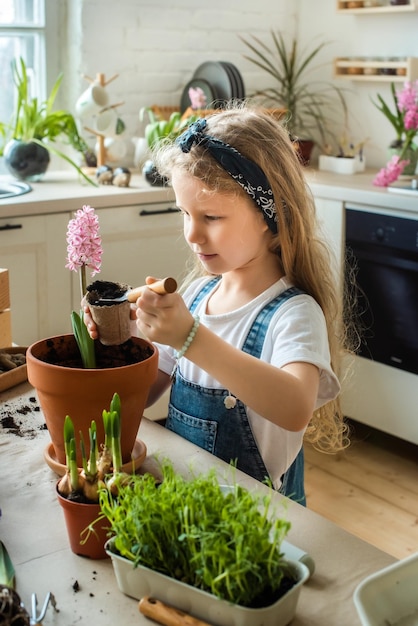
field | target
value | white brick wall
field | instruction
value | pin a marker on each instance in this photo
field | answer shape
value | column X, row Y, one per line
column 155, row 46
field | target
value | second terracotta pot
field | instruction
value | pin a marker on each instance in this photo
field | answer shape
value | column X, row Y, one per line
column 78, row 517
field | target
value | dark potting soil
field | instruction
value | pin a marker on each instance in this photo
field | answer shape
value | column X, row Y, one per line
column 104, row 292
column 271, row 596
column 78, row 496
column 106, row 356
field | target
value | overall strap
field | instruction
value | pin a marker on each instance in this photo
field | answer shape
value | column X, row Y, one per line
column 202, row 293
column 255, row 339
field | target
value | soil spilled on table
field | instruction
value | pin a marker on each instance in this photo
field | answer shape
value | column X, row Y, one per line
column 17, row 418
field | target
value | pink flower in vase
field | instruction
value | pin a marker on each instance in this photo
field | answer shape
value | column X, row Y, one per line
column 390, row 172
column 405, row 123
column 197, row 98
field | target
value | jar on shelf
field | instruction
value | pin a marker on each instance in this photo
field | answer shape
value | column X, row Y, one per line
column 388, row 71
column 401, row 71
column 371, row 70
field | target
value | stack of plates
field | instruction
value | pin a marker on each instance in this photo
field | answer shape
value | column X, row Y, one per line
column 220, row 81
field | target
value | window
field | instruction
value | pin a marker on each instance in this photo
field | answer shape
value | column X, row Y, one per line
column 22, row 34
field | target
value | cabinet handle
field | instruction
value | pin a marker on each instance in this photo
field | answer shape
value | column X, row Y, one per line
column 11, row 227
column 146, row 212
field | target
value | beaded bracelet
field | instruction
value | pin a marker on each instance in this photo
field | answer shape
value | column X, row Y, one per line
column 189, row 339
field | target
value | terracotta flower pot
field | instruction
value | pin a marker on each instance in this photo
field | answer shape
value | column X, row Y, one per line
column 77, row 517
column 64, row 387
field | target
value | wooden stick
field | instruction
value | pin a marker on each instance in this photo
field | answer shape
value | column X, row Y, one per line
column 163, row 286
column 167, row 615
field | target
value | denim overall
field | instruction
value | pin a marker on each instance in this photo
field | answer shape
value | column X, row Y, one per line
column 226, row 433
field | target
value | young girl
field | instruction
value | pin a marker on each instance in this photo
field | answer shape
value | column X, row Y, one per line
column 251, row 349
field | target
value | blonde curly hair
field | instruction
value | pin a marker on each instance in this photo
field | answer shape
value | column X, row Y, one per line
column 302, row 255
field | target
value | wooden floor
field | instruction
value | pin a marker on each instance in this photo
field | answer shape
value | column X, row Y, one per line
column 370, row 489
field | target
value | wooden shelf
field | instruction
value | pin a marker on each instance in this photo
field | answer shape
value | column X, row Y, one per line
column 342, row 7
column 380, row 70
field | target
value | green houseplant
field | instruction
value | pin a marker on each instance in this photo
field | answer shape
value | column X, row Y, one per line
column 307, row 104
column 214, row 549
column 34, row 127
column 159, row 130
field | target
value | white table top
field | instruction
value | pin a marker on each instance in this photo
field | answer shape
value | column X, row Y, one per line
column 33, row 530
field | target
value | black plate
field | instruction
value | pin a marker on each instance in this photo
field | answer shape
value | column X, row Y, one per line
column 238, row 79
column 219, row 78
column 234, row 84
column 207, row 88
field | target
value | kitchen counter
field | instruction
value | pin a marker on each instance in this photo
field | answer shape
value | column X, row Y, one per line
column 32, row 527
column 359, row 188
column 63, row 192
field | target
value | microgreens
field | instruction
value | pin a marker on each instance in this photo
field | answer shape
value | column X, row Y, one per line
column 225, row 543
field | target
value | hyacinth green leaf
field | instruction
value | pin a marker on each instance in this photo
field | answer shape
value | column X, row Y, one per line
column 7, row 570
column 84, row 341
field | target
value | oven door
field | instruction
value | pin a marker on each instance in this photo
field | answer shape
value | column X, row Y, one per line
column 386, row 255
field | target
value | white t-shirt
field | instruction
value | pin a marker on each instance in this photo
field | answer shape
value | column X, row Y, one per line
column 297, row 332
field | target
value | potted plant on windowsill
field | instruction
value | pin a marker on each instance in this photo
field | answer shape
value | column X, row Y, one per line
column 68, row 385
column 29, row 137
column 307, row 104
column 215, row 550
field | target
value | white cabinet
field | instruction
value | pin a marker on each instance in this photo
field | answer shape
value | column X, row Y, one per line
column 33, row 249
column 140, row 241
column 330, row 214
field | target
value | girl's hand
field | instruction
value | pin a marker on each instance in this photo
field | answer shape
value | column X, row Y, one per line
column 163, row 318
column 88, row 320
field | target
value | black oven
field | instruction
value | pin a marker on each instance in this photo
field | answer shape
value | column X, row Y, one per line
column 385, row 251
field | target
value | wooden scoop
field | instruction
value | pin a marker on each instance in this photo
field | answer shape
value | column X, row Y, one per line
column 163, row 286
column 167, row 615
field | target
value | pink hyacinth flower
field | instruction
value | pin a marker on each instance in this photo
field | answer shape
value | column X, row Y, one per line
column 391, row 172
column 84, row 242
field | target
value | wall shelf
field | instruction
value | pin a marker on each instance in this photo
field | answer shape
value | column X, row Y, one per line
column 343, row 7
column 379, row 69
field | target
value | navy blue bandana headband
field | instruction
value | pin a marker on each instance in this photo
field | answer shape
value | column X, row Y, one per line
column 245, row 172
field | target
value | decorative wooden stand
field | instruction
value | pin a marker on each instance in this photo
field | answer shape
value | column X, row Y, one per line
column 101, row 80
